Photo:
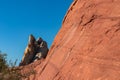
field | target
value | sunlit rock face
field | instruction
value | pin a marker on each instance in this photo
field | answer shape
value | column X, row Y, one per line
column 87, row 46
column 35, row 50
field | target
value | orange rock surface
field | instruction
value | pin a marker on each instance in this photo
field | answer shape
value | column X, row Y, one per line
column 87, row 46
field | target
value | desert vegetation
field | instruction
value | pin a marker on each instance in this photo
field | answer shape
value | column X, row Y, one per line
column 9, row 71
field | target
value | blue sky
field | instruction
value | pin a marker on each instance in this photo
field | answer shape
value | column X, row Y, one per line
column 20, row 18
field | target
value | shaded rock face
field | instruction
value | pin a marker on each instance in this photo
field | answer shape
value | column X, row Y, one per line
column 88, row 45
column 36, row 49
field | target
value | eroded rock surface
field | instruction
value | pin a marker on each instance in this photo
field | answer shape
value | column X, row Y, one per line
column 88, row 45
column 35, row 50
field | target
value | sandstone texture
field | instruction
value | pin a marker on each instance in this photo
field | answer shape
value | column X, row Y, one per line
column 35, row 50
column 87, row 46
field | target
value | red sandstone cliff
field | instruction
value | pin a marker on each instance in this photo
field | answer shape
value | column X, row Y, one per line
column 88, row 45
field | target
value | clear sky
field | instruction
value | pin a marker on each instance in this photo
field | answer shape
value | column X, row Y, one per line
column 20, row 18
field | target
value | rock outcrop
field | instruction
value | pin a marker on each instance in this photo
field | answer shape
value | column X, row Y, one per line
column 36, row 49
column 88, row 45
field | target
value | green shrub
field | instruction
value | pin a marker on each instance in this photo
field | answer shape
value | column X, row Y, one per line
column 3, row 63
column 10, row 71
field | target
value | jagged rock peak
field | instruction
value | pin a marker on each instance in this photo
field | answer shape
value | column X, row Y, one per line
column 39, row 40
column 35, row 50
column 31, row 39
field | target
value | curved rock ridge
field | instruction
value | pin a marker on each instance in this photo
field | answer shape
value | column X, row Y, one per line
column 87, row 46
column 35, row 50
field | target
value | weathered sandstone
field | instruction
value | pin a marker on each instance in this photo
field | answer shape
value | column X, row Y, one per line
column 87, row 46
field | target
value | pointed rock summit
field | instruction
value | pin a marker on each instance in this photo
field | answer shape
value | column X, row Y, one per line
column 35, row 50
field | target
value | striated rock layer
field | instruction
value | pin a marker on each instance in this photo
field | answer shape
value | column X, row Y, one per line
column 88, row 45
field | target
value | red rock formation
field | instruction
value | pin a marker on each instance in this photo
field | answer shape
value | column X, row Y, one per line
column 88, row 45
